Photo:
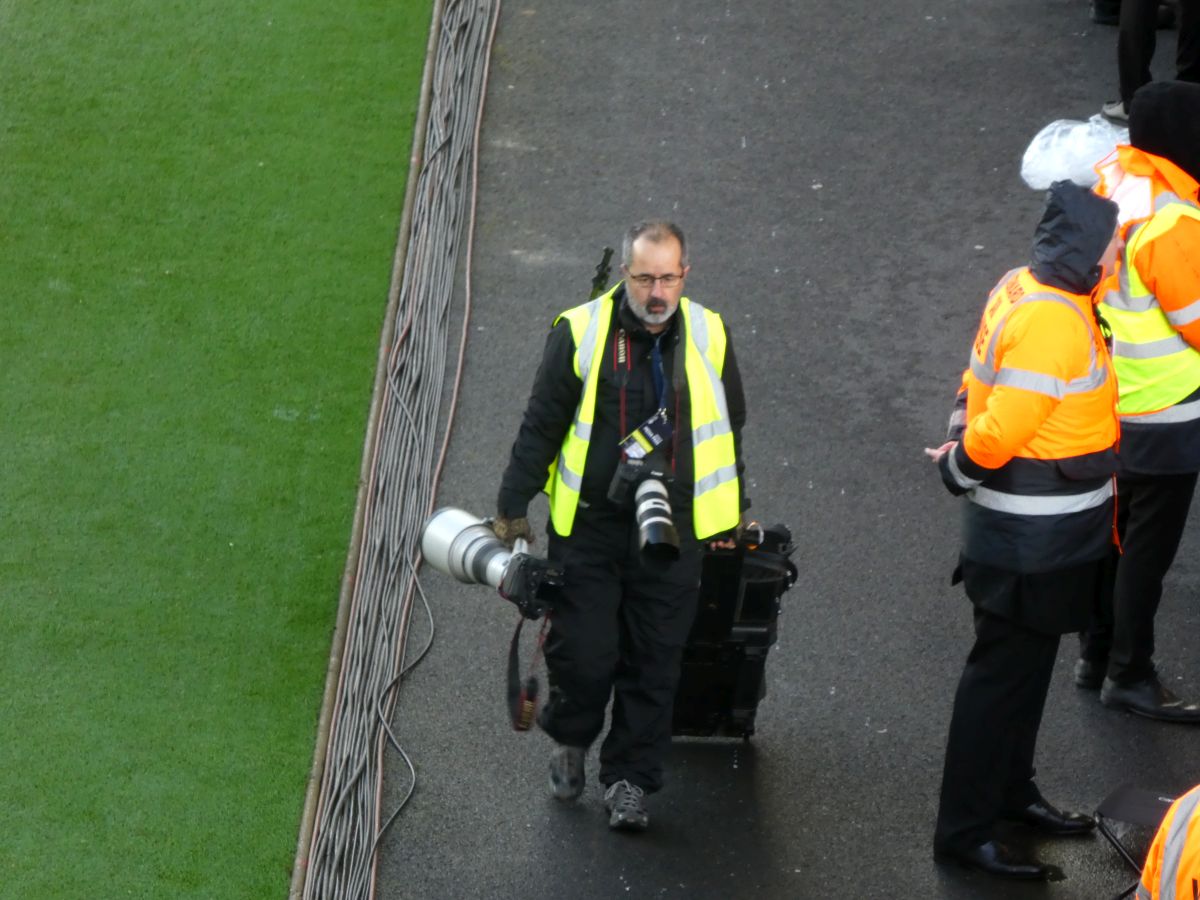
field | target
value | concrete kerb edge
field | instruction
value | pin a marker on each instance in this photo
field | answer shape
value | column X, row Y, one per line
column 349, row 573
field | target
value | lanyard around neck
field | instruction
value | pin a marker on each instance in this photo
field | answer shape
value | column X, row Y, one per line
column 623, row 365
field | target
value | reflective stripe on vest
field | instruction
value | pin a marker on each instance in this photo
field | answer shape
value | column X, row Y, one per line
column 715, row 491
column 1178, row 823
column 1046, row 505
column 715, row 499
column 1180, row 412
column 986, row 373
column 589, row 329
column 1155, row 366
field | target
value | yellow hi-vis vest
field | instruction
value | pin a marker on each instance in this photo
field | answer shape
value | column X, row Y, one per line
column 1155, row 366
column 715, row 494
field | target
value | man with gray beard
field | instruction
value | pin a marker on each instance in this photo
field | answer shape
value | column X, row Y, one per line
column 638, row 385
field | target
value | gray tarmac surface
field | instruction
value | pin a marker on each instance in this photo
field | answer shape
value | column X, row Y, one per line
column 848, row 175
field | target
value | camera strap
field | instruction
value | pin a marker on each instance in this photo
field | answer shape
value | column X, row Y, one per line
column 523, row 693
column 622, row 364
column 657, row 429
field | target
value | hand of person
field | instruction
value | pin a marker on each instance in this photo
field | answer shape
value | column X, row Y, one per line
column 935, row 454
column 729, row 540
column 508, row 530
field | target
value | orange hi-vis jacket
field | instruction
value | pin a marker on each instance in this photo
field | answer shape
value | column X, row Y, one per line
column 1036, row 455
column 1172, row 869
column 1152, row 306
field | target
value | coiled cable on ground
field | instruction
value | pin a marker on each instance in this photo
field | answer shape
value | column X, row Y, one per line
column 402, row 476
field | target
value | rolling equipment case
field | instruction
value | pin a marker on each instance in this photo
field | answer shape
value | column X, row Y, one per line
column 722, row 679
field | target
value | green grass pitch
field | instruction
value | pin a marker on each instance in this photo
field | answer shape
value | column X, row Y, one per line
column 198, row 210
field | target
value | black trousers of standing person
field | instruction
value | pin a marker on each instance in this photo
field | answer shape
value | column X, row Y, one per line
column 1152, row 511
column 618, row 630
column 1136, row 42
column 993, row 731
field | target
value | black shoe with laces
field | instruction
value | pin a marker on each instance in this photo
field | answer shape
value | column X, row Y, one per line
column 625, row 809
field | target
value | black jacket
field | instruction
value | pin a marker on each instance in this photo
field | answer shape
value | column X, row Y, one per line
column 555, row 397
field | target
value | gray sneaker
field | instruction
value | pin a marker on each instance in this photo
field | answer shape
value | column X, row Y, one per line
column 1115, row 109
column 566, row 772
column 625, row 810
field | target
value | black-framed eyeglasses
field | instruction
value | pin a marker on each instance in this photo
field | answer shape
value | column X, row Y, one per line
column 647, row 281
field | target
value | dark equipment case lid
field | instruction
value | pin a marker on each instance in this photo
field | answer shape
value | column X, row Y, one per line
column 722, row 678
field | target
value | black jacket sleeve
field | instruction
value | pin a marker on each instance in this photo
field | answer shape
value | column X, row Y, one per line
column 548, row 414
column 735, row 403
column 959, row 472
column 958, row 416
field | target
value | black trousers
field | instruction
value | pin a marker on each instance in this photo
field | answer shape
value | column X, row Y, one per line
column 993, row 731
column 619, row 631
column 1136, row 42
column 1152, row 511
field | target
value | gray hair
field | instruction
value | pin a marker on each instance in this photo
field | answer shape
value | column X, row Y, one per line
column 656, row 231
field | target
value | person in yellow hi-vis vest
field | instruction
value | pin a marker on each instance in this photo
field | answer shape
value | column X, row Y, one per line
column 633, row 429
column 1172, row 868
column 1153, row 309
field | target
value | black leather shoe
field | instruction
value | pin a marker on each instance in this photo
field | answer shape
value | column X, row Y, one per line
column 1045, row 818
column 996, row 859
column 1150, row 699
column 1089, row 674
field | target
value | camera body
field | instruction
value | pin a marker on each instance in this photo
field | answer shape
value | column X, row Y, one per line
column 531, row 584
column 459, row 544
column 630, row 473
column 643, row 485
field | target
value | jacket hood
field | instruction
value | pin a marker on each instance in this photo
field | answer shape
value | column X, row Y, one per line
column 1076, row 227
column 1164, row 119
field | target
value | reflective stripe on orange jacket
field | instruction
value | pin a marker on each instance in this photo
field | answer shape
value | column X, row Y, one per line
column 1036, row 455
column 1172, row 869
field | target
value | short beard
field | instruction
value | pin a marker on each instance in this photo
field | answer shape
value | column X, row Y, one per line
column 648, row 318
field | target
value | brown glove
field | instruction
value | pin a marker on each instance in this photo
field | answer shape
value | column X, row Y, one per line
column 508, row 530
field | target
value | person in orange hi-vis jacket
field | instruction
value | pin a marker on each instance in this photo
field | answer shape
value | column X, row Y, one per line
column 1032, row 447
column 1153, row 308
column 1172, row 868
